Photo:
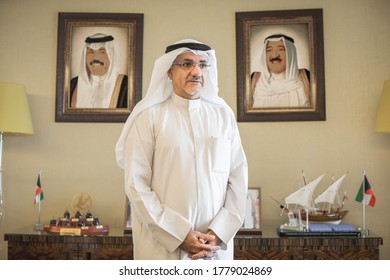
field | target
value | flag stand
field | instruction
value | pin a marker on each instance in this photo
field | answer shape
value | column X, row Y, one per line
column 38, row 226
column 363, row 231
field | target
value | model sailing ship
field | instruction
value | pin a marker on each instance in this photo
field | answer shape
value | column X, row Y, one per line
column 325, row 208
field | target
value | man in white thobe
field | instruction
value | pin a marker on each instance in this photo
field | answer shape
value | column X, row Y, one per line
column 280, row 83
column 186, row 173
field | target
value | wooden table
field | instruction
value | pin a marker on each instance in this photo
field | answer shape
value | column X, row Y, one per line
column 31, row 244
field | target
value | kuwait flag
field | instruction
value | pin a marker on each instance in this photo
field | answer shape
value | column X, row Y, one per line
column 366, row 192
column 38, row 191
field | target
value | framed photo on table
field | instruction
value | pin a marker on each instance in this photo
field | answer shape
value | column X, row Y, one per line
column 99, row 66
column 280, row 66
column 252, row 222
column 127, row 223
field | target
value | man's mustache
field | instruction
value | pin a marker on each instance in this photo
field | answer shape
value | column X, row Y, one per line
column 196, row 79
column 96, row 61
column 278, row 59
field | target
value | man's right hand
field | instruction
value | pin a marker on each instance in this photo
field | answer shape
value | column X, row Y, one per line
column 196, row 245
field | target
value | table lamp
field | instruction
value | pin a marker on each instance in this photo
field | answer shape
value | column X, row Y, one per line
column 15, row 118
column 383, row 115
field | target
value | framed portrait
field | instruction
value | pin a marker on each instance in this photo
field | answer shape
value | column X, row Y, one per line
column 127, row 223
column 252, row 221
column 99, row 66
column 280, row 66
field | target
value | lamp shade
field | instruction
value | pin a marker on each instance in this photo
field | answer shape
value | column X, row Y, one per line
column 383, row 115
column 15, row 114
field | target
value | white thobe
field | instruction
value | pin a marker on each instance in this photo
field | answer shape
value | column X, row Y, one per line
column 279, row 93
column 96, row 92
column 185, row 169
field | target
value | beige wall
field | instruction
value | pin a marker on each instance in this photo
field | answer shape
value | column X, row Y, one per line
column 79, row 157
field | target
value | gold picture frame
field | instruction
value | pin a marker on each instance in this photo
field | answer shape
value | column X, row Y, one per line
column 304, row 28
column 126, row 38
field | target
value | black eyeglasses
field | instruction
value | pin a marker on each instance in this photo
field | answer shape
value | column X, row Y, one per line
column 189, row 65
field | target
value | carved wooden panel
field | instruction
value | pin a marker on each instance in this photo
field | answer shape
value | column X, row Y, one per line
column 30, row 252
column 35, row 246
column 109, row 254
column 296, row 248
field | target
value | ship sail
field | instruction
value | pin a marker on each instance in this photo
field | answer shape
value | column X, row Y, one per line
column 328, row 197
column 304, row 195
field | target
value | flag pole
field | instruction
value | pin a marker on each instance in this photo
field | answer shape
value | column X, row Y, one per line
column 364, row 200
column 38, row 226
column 39, row 202
column 39, row 212
column 364, row 230
column 39, row 205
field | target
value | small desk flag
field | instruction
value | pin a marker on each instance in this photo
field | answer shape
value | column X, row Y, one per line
column 38, row 191
column 366, row 192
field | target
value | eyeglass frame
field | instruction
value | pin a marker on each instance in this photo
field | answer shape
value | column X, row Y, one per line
column 192, row 65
